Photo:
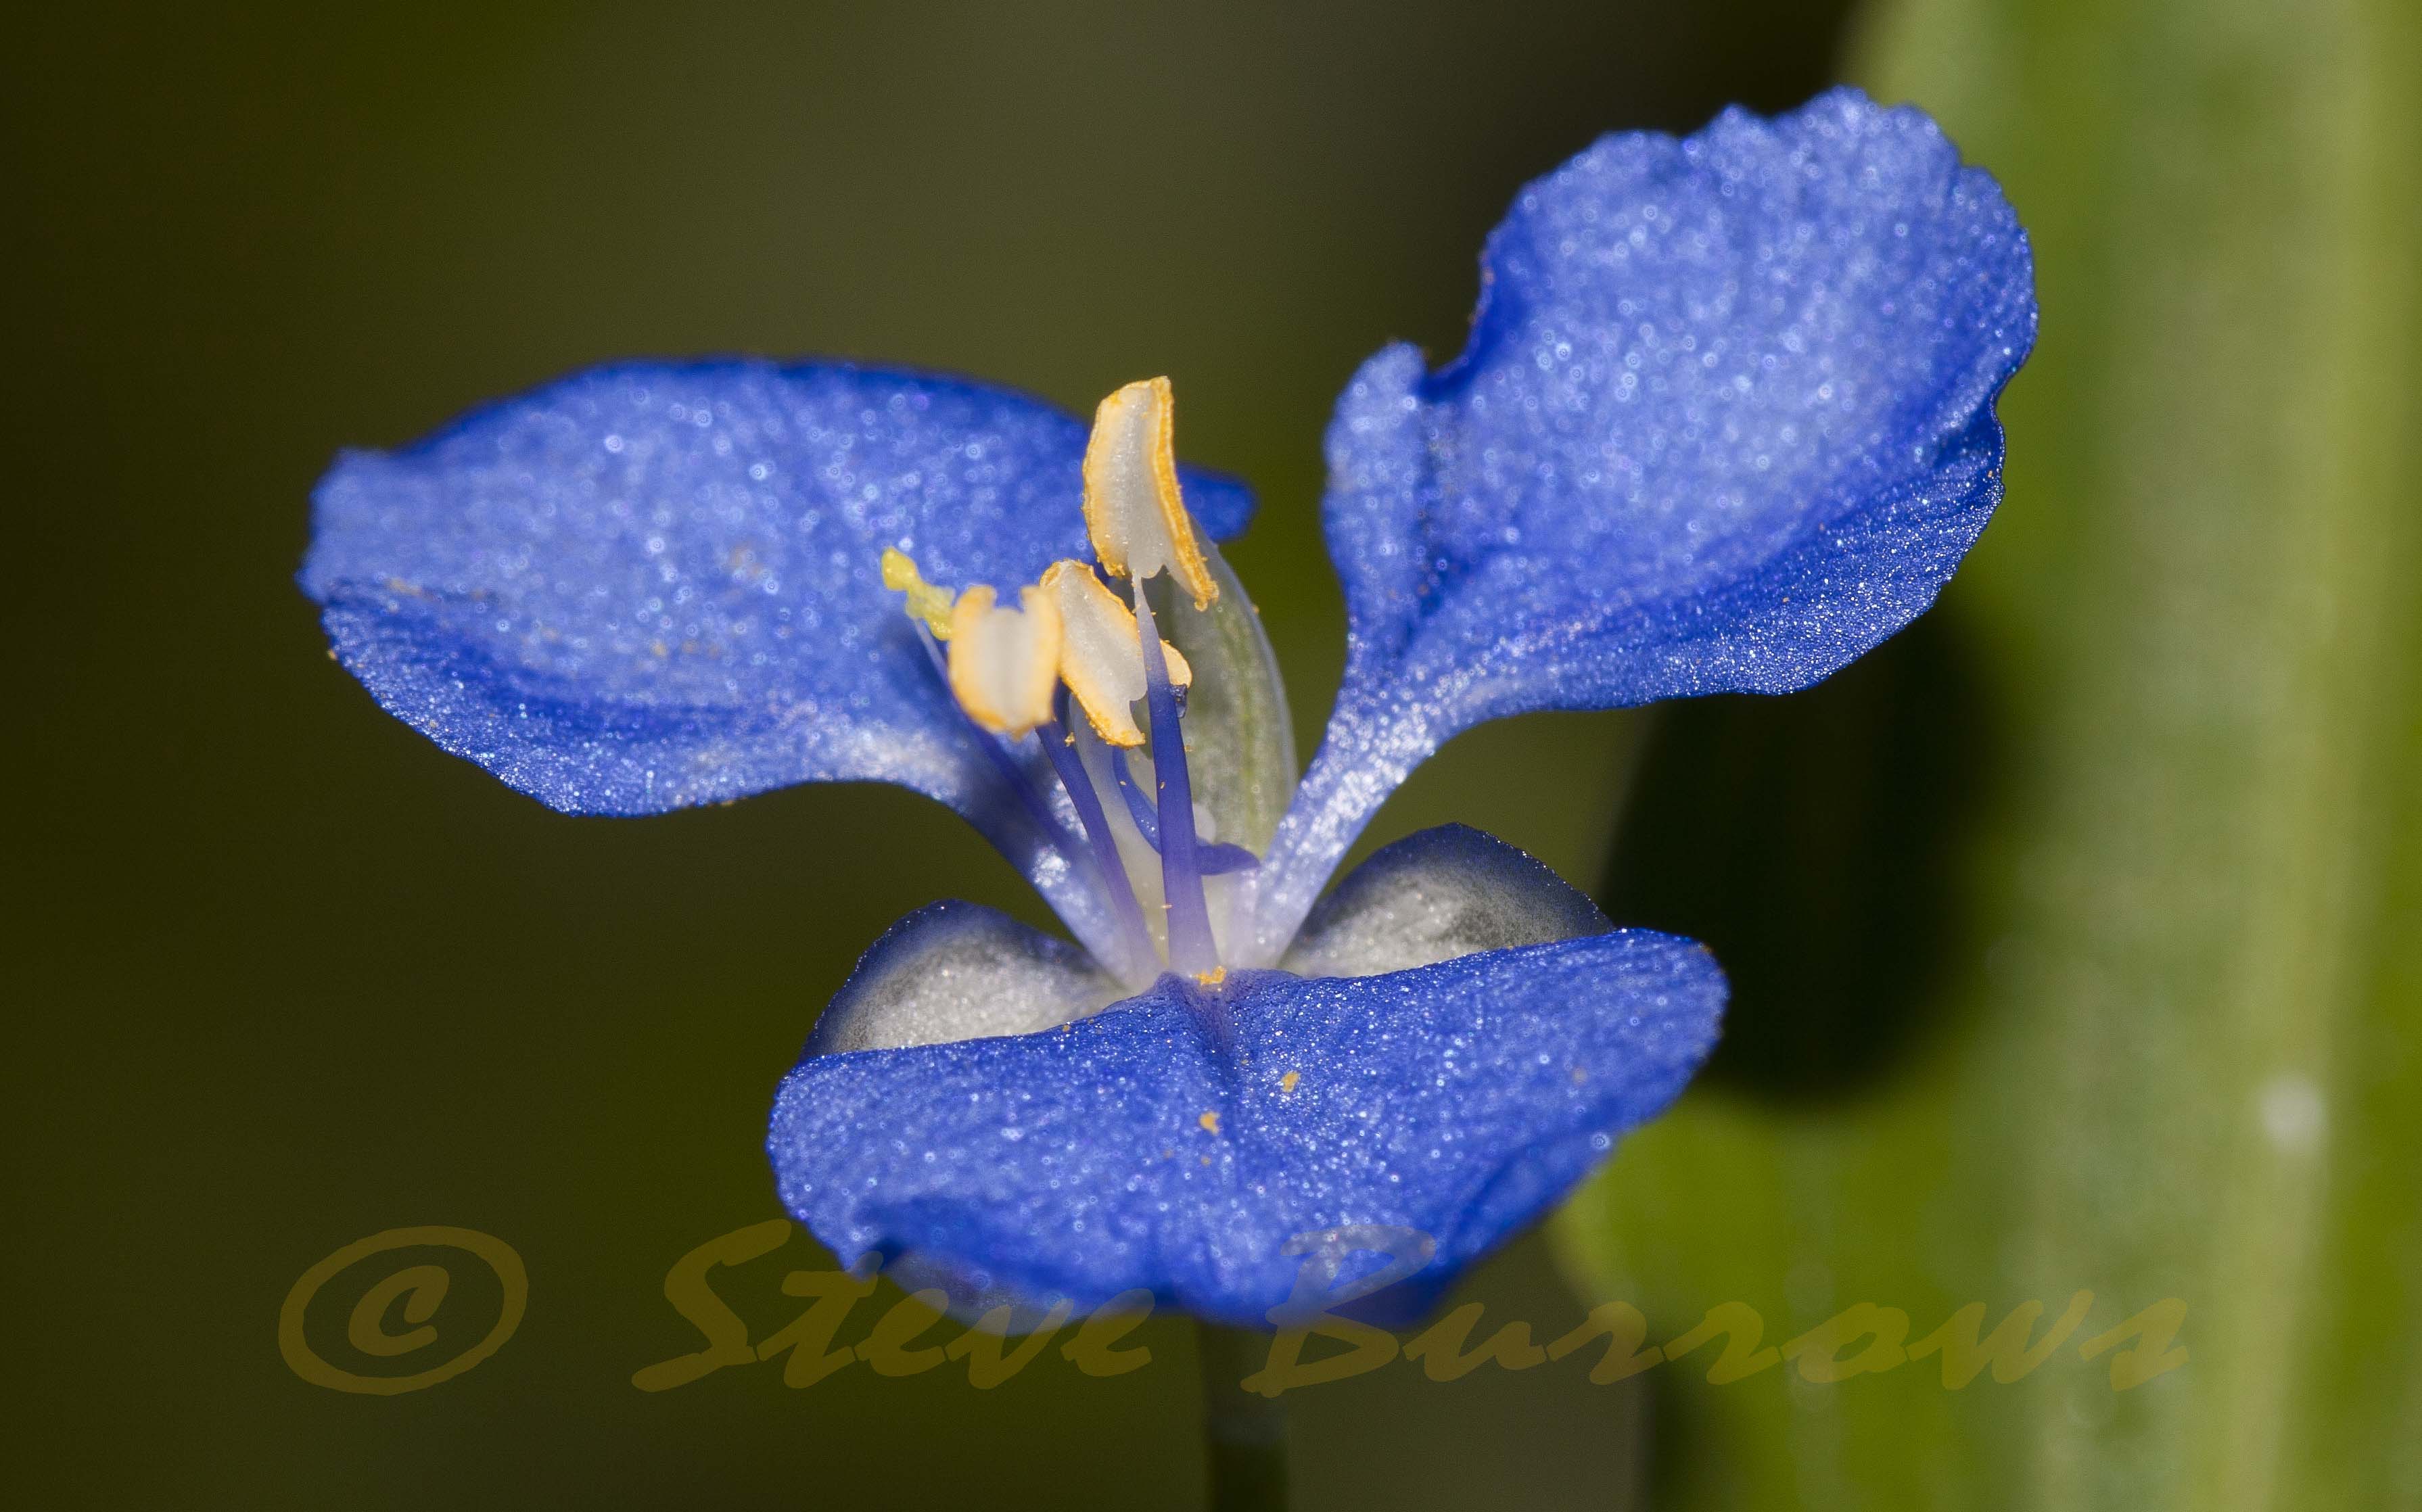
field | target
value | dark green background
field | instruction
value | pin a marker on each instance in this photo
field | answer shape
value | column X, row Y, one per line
column 283, row 975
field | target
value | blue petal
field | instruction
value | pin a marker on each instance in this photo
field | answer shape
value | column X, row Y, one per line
column 1725, row 421
column 1458, row 1100
column 649, row 586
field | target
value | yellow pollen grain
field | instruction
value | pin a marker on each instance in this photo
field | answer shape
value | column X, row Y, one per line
column 1213, row 977
column 1210, row 1123
column 1286, row 1083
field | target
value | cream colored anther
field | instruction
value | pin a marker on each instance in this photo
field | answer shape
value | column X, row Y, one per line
column 1133, row 511
column 1100, row 658
column 1004, row 663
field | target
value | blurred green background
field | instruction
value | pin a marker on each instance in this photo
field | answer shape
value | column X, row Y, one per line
column 2077, row 935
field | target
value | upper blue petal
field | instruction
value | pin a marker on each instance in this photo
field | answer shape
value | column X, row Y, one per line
column 1458, row 1100
column 1724, row 422
column 648, row 585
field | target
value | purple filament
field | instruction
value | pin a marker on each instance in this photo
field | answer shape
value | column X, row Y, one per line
column 1140, row 807
column 1191, row 948
column 1004, row 763
column 1211, row 858
column 1079, row 786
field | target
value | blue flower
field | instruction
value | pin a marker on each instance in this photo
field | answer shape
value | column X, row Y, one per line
column 1725, row 420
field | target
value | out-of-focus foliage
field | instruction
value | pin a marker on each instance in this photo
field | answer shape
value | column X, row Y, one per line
column 2077, row 937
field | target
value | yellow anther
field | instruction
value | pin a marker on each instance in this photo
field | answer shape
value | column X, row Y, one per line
column 924, row 601
column 1100, row 658
column 1004, row 663
column 1133, row 511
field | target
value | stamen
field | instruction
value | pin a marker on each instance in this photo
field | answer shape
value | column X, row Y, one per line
column 1133, row 511
column 1004, row 663
column 1134, row 940
column 995, row 750
column 1099, row 657
column 1193, row 950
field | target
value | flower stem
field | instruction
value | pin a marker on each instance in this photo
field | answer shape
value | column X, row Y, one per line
column 1244, row 1433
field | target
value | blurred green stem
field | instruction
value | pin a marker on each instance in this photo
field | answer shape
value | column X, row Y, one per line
column 1244, row 1433
column 2173, row 1060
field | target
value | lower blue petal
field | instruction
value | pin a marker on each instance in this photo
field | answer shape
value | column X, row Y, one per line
column 1179, row 1141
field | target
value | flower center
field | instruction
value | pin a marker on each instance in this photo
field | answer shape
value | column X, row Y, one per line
column 1170, row 812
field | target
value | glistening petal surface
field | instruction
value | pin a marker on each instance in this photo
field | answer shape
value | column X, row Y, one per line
column 1176, row 1141
column 649, row 585
column 1724, row 422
